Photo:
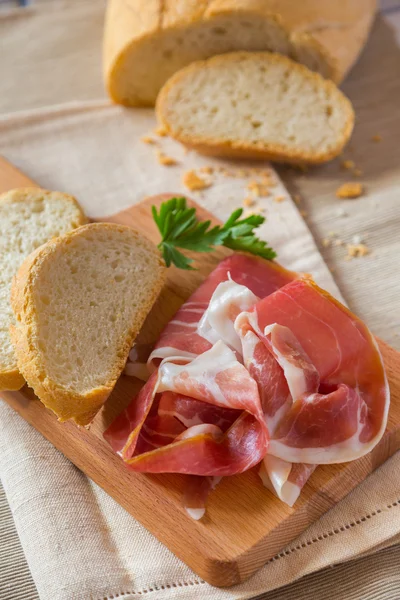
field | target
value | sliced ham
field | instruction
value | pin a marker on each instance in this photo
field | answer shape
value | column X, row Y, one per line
column 285, row 479
column 339, row 396
column 216, row 378
column 182, row 337
column 258, row 367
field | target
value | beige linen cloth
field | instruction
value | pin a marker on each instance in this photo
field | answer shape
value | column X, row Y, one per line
column 79, row 544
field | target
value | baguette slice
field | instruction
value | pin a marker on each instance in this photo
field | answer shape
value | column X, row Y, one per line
column 79, row 302
column 256, row 105
column 29, row 217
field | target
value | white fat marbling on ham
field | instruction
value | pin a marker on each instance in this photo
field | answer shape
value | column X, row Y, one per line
column 301, row 375
column 204, row 370
column 227, row 302
column 196, row 513
column 284, row 479
column 138, row 370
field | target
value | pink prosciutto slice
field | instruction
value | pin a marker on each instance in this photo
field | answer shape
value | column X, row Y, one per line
column 337, row 398
column 181, row 336
column 185, row 337
column 285, row 479
column 288, row 381
column 217, row 379
column 196, row 494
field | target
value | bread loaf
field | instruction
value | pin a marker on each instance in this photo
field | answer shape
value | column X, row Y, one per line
column 29, row 217
column 256, row 105
column 79, row 302
column 147, row 41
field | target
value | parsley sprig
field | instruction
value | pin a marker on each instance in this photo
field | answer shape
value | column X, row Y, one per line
column 180, row 228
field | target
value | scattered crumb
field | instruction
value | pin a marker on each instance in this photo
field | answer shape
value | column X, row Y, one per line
column 357, row 172
column 356, row 250
column 258, row 189
column 193, row 182
column 264, row 174
column 357, row 239
column 248, row 201
column 267, row 179
column 338, row 242
column 332, row 269
column 304, row 213
column 236, row 173
column 279, row 199
column 297, row 199
column 342, row 213
column 347, row 164
column 326, row 242
column 376, row 138
column 165, row 160
column 351, row 189
column 225, row 172
column 161, row 131
column 207, row 170
column 332, row 234
column 147, row 139
column 254, row 211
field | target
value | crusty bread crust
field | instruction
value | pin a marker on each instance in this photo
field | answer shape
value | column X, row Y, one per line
column 325, row 35
column 11, row 379
column 66, row 403
column 241, row 148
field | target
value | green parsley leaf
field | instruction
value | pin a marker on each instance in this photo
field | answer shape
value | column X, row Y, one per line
column 179, row 228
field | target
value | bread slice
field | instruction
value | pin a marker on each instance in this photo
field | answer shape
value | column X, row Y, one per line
column 79, row 302
column 146, row 42
column 29, row 217
column 256, row 105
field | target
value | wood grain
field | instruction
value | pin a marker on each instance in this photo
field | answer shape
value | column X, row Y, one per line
column 245, row 524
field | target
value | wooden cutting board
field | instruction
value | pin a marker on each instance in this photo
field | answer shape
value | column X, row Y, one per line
column 245, row 524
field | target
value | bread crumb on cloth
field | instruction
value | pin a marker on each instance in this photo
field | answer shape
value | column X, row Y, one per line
column 147, row 139
column 165, row 160
column 248, row 201
column 193, row 182
column 256, row 210
column 161, row 131
column 357, row 239
column 357, row 172
column 347, row 164
column 279, row 199
column 350, row 190
column 341, row 213
column 356, row 250
column 297, row 199
column 376, row 138
column 258, row 189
